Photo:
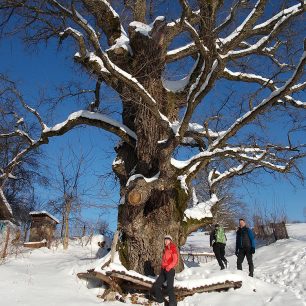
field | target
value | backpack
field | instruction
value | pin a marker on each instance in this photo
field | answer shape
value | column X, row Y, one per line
column 220, row 235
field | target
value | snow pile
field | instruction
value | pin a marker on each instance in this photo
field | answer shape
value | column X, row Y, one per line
column 48, row 276
column 143, row 28
column 201, row 210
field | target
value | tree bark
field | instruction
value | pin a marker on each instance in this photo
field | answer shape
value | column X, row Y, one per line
column 143, row 229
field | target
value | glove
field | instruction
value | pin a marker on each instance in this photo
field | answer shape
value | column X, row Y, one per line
column 236, row 253
column 253, row 250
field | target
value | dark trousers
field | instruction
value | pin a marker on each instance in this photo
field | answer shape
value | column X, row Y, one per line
column 241, row 254
column 158, row 286
column 219, row 250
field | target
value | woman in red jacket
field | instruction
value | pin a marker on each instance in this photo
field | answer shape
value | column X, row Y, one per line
column 169, row 262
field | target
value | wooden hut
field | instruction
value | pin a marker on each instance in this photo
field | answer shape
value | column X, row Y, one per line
column 42, row 229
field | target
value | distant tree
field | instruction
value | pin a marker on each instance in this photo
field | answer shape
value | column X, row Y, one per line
column 242, row 70
column 266, row 213
column 67, row 184
column 229, row 208
column 19, row 184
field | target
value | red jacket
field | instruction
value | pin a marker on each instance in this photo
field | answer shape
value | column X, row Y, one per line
column 170, row 257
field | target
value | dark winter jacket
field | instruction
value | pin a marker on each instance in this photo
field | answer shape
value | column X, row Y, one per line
column 244, row 239
column 212, row 237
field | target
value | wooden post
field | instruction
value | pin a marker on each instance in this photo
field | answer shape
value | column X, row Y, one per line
column 114, row 244
column 6, row 242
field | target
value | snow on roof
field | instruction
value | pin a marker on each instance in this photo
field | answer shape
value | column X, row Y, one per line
column 43, row 212
column 201, row 210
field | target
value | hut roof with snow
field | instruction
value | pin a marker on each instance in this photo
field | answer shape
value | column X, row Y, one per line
column 43, row 214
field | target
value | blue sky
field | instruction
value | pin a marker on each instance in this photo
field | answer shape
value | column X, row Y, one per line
column 49, row 67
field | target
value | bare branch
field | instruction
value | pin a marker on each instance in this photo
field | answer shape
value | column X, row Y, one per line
column 274, row 96
column 245, row 28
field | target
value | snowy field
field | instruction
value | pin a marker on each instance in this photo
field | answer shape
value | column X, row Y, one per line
column 48, row 277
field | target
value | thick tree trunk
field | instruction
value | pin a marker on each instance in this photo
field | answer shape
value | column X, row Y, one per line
column 143, row 229
column 160, row 208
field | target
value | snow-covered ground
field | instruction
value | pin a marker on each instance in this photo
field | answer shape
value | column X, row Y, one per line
column 48, row 277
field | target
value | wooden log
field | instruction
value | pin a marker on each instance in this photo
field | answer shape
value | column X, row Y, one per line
column 209, row 288
column 131, row 279
column 104, row 278
column 35, row 245
column 117, row 280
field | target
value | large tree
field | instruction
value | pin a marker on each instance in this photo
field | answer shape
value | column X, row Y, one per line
column 245, row 63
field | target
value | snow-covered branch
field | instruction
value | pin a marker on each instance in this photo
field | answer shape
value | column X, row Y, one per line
column 75, row 119
column 77, row 36
column 18, row 133
column 270, row 28
column 275, row 96
column 265, row 82
column 181, row 52
column 201, row 85
column 106, row 18
column 283, row 16
column 201, row 210
column 197, row 40
column 93, row 119
column 115, row 70
column 229, row 18
column 245, row 28
column 186, row 167
column 174, row 28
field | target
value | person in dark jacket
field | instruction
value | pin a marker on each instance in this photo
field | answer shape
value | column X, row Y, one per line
column 167, row 273
column 218, row 245
column 245, row 246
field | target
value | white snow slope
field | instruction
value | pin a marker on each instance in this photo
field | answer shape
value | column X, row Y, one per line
column 48, row 277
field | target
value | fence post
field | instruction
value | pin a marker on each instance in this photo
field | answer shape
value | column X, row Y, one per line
column 6, row 242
